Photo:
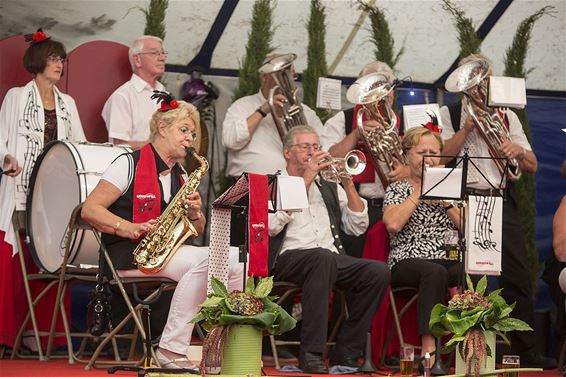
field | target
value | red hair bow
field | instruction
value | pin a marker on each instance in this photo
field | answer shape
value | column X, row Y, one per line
column 166, row 100
column 433, row 124
column 39, row 36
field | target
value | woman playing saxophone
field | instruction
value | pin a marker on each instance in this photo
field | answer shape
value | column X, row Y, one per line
column 126, row 204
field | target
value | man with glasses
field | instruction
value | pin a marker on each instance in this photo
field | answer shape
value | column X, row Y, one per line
column 305, row 249
column 129, row 109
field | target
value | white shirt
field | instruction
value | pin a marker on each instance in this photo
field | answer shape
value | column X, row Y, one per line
column 128, row 111
column 333, row 132
column 478, row 148
column 261, row 152
column 311, row 228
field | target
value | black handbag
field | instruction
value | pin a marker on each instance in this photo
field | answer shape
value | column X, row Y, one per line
column 98, row 310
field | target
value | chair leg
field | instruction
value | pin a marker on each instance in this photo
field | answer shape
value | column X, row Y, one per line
column 66, row 327
column 28, row 294
column 274, row 351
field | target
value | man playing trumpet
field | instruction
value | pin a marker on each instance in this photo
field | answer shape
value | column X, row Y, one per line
column 308, row 251
column 462, row 132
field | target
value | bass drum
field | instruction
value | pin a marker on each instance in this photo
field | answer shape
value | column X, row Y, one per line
column 63, row 176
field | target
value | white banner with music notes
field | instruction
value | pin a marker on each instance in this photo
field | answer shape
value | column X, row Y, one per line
column 484, row 231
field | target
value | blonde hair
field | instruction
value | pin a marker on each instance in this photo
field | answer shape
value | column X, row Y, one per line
column 414, row 135
column 289, row 139
column 184, row 110
column 137, row 47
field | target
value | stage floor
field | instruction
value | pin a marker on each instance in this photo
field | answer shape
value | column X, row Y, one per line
column 60, row 368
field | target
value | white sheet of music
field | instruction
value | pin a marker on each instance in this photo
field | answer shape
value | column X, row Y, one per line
column 291, row 193
column 442, row 183
column 484, row 230
column 329, row 94
column 416, row 115
column 507, row 92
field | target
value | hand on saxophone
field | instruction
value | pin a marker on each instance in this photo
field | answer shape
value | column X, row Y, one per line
column 135, row 230
column 192, row 206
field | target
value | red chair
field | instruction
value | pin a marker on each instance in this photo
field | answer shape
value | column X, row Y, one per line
column 95, row 69
column 388, row 317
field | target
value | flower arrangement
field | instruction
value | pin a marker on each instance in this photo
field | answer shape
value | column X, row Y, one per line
column 467, row 316
column 253, row 307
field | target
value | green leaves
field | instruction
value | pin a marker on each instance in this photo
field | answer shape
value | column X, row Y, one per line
column 216, row 310
column 490, row 313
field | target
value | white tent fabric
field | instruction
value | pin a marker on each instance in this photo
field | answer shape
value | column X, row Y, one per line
column 422, row 26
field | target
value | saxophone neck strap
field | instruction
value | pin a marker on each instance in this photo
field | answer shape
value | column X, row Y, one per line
column 147, row 194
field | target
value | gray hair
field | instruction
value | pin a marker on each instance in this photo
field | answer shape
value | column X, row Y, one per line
column 137, row 47
column 289, row 139
column 378, row 67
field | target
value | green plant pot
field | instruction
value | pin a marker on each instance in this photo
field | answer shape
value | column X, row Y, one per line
column 485, row 367
column 242, row 351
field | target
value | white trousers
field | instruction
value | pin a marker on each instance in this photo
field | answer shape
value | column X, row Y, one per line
column 189, row 268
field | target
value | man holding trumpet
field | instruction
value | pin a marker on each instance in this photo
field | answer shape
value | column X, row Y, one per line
column 307, row 250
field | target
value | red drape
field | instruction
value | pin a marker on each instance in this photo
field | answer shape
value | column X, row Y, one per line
column 377, row 248
column 13, row 298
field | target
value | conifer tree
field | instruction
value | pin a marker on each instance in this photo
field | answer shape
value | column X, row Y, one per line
column 155, row 18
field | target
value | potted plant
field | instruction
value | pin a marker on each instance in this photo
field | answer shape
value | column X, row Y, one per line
column 474, row 320
column 236, row 322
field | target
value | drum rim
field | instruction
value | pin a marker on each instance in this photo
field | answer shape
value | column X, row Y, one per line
column 29, row 200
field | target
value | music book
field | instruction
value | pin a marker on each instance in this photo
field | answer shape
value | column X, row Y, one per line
column 291, row 193
column 417, row 115
column 507, row 92
column 329, row 94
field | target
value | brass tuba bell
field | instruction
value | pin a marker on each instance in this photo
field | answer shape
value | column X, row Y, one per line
column 279, row 68
column 383, row 142
column 471, row 79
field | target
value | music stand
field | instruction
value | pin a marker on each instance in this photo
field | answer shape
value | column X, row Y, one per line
column 236, row 198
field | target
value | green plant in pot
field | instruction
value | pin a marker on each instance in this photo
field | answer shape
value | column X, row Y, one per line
column 474, row 319
column 235, row 323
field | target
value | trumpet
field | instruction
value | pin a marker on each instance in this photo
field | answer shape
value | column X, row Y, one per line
column 353, row 163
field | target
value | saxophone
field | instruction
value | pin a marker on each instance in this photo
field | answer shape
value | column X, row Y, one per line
column 173, row 227
column 383, row 143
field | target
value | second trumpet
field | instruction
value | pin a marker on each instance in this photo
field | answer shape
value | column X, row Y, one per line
column 353, row 163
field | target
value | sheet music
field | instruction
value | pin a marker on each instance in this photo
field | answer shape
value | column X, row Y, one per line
column 291, row 193
column 329, row 94
column 507, row 92
column 416, row 115
column 443, row 183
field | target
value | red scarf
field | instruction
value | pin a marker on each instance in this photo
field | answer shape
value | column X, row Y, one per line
column 368, row 175
column 257, row 224
column 147, row 195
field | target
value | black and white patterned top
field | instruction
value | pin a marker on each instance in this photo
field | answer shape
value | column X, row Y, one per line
column 423, row 234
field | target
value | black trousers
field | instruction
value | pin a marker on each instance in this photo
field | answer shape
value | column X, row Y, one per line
column 318, row 271
column 354, row 245
column 432, row 278
column 515, row 277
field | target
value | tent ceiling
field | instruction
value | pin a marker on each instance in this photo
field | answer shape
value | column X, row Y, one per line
column 423, row 27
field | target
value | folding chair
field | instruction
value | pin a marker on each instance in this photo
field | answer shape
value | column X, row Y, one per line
column 287, row 290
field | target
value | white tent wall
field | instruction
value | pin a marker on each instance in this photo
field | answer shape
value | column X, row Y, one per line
column 422, row 26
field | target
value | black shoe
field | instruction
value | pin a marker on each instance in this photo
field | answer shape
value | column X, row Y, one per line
column 310, row 362
column 344, row 361
column 536, row 360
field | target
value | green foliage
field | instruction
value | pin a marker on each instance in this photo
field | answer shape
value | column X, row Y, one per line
column 471, row 310
column 469, row 41
column 515, row 56
column 316, row 57
column 381, row 35
column 223, row 309
column 257, row 48
column 155, row 18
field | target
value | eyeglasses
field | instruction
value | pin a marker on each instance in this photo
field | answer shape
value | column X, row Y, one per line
column 187, row 131
column 307, row 146
column 155, row 54
column 55, row 59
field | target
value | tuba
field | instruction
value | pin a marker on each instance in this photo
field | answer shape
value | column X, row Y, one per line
column 279, row 67
column 353, row 163
column 471, row 79
column 383, row 142
column 173, row 227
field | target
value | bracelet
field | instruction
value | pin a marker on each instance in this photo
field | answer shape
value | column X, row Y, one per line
column 117, row 225
column 413, row 201
column 259, row 110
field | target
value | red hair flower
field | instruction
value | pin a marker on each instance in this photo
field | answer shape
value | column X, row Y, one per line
column 166, row 100
column 433, row 124
column 39, row 36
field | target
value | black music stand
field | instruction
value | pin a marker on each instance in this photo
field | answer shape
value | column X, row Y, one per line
column 236, row 198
